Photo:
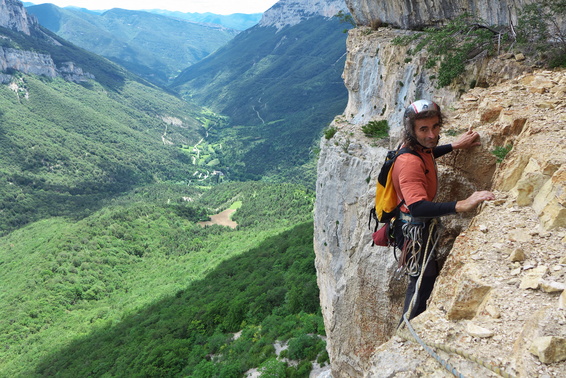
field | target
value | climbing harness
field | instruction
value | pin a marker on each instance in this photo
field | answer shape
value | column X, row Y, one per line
column 428, row 254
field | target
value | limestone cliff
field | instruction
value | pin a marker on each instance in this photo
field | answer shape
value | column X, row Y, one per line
column 291, row 12
column 27, row 62
column 13, row 16
column 416, row 14
column 501, row 290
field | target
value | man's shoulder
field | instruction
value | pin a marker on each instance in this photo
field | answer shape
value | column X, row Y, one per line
column 408, row 155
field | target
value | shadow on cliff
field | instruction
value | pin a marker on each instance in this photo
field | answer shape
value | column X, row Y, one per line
column 462, row 173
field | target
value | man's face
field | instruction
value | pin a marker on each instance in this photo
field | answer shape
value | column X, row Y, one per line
column 427, row 131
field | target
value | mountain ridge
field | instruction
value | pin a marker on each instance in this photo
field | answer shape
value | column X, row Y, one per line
column 135, row 39
column 292, row 12
column 278, row 88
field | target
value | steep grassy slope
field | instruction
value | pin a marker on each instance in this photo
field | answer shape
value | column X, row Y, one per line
column 116, row 292
column 280, row 90
column 153, row 46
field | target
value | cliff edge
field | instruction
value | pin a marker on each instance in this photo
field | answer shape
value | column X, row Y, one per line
column 500, row 294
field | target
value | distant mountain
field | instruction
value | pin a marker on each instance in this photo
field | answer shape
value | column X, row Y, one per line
column 152, row 46
column 280, row 85
column 238, row 21
column 76, row 129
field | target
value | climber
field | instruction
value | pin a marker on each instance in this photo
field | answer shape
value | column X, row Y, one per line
column 415, row 181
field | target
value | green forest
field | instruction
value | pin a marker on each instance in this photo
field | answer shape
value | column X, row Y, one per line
column 107, row 266
column 139, row 288
column 100, row 225
column 100, row 228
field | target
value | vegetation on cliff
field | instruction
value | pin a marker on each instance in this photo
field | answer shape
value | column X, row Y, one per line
column 538, row 34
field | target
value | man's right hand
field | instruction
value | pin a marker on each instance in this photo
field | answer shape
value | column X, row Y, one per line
column 467, row 140
column 473, row 201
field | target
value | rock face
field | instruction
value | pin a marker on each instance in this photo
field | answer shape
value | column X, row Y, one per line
column 291, row 12
column 14, row 16
column 33, row 63
column 413, row 14
column 500, row 291
column 27, row 62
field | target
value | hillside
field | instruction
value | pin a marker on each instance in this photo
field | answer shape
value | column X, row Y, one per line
column 86, row 295
column 279, row 88
column 152, row 46
column 78, row 130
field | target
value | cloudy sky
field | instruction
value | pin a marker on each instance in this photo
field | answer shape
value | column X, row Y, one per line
column 199, row 6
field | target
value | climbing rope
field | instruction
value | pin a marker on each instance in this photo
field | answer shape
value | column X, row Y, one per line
column 413, row 232
column 409, row 262
column 442, row 362
column 427, row 346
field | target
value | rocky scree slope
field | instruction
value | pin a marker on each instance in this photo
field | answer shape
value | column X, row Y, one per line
column 501, row 293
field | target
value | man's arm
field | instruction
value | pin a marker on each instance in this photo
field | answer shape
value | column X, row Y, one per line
column 428, row 209
column 467, row 140
column 438, row 151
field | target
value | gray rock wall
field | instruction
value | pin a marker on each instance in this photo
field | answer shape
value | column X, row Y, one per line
column 291, row 12
column 27, row 62
column 353, row 277
column 413, row 14
column 14, row 16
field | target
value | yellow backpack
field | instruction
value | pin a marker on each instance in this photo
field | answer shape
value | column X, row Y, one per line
column 386, row 207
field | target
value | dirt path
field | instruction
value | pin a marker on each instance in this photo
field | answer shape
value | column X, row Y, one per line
column 222, row 219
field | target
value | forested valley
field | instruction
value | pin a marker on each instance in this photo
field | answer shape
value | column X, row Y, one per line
column 107, row 265
column 139, row 288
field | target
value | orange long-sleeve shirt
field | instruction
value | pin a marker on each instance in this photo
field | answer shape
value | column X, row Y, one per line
column 415, row 180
